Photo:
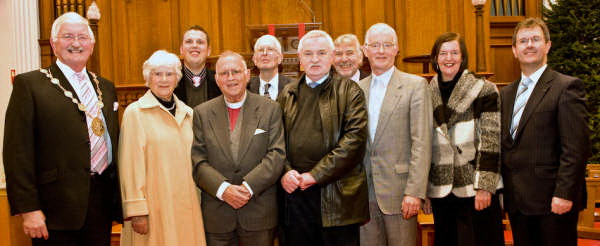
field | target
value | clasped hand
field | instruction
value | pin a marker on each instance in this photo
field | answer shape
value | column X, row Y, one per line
column 236, row 196
column 293, row 180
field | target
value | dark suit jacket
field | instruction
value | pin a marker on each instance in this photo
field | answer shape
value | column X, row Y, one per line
column 47, row 151
column 211, row 86
column 363, row 74
column 547, row 158
column 261, row 155
column 254, row 84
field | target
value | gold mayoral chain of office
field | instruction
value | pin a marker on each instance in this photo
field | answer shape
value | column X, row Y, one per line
column 97, row 124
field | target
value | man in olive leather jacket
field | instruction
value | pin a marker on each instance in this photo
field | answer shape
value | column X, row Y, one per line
column 326, row 129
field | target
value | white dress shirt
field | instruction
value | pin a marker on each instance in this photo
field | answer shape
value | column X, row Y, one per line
column 377, row 91
column 273, row 90
column 535, row 76
column 356, row 76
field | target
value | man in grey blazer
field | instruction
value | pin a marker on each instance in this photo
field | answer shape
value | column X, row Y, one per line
column 238, row 155
column 399, row 147
column 267, row 57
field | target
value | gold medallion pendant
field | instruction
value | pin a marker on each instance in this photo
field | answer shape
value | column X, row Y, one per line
column 97, row 126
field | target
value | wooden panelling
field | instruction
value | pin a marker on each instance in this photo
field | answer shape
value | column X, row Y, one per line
column 11, row 230
column 502, row 59
column 130, row 30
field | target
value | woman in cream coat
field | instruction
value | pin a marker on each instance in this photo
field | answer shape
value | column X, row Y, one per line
column 160, row 203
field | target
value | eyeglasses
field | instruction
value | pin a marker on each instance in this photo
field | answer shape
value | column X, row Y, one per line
column 232, row 72
column 534, row 40
column 72, row 37
column 266, row 50
column 385, row 45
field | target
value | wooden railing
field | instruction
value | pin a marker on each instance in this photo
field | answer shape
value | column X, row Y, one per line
column 63, row 6
column 507, row 8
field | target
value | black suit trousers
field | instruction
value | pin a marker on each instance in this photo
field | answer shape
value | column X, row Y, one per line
column 96, row 230
column 544, row 230
column 303, row 222
column 457, row 223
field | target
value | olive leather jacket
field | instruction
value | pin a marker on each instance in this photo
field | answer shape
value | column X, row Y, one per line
column 340, row 173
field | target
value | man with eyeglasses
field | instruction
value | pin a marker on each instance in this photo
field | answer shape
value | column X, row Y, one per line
column 197, row 85
column 325, row 120
column 237, row 155
column 399, row 150
column 267, row 57
column 60, row 144
column 348, row 57
column 545, row 144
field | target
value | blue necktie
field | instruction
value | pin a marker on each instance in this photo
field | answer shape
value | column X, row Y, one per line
column 313, row 84
column 520, row 102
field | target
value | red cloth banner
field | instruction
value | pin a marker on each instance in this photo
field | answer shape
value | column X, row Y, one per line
column 301, row 30
column 13, row 73
column 271, row 28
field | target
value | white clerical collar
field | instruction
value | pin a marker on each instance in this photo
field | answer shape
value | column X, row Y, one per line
column 319, row 82
column 356, row 76
column 384, row 77
column 274, row 81
column 535, row 76
column 235, row 105
column 67, row 71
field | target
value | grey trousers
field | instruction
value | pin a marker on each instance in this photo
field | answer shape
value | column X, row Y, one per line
column 241, row 237
column 388, row 230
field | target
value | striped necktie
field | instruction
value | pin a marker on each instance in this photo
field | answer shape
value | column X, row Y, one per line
column 98, row 148
column 266, row 93
column 520, row 102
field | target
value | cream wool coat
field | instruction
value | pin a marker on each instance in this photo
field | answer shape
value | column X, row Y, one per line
column 155, row 169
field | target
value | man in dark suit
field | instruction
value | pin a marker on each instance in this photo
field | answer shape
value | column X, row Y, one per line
column 60, row 142
column 267, row 57
column 238, row 154
column 197, row 85
column 545, row 144
column 348, row 57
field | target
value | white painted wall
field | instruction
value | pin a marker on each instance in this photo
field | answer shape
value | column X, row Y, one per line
column 19, row 24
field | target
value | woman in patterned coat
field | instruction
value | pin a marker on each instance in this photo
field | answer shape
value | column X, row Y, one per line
column 464, row 173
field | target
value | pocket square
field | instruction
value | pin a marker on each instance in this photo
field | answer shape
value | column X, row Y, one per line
column 259, row 131
column 115, row 106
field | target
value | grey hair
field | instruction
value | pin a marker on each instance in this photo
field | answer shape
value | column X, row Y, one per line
column 229, row 53
column 158, row 59
column 268, row 38
column 349, row 38
column 381, row 27
column 72, row 18
column 316, row 34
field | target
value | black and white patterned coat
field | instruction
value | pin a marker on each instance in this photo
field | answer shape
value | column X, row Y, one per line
column 465, row 153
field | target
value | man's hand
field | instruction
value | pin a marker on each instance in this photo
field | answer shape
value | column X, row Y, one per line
column 140, row 224
column 410, row 206
column 236, row 196
column 34, row 224
column 561, row 206
column 290, row 181
column 427, row 206
column 483, row 199
column 307, row 180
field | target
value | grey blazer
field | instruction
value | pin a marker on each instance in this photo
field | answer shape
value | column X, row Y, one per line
column 399, row 157
column 260, row 162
